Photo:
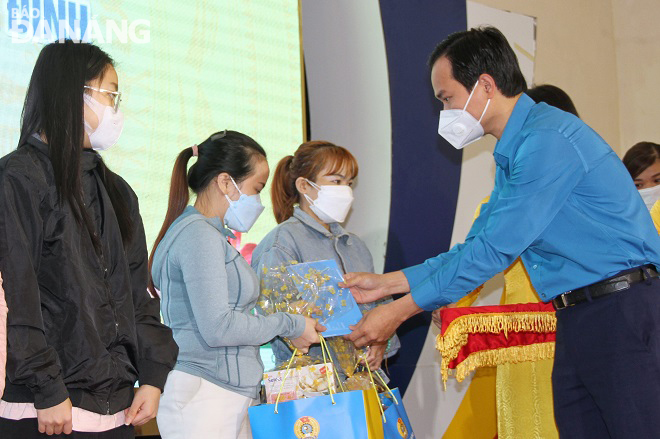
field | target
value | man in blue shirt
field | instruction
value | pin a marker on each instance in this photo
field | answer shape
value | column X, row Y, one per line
column 565, row 204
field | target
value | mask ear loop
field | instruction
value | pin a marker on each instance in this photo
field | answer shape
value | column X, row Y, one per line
column 315, row 186
column 91, row 103
column 483, row 113
column 471, row 93
column 235, row 185
column 237, row 188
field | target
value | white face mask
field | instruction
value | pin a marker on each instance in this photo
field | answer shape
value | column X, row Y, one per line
column 650, row 195
column 333, row 202
column 460, row 128
column 110, row 125
column 243, row 213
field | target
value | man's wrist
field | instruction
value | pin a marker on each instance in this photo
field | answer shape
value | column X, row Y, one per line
column 405, row 308
column 396, row 283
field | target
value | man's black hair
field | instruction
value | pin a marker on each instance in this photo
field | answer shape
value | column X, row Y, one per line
column 482, row 50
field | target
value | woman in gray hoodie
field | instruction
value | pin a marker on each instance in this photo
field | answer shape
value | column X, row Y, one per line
column 208, row 291
column 311, row 193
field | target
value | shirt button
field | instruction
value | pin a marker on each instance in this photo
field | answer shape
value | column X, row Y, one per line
column 535, row 266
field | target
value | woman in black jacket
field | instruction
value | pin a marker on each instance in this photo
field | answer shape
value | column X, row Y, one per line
column 81, row 326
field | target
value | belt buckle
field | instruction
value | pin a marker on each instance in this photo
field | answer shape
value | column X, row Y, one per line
column 563, row 299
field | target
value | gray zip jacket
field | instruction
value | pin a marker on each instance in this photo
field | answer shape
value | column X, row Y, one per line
column 208, row 292
column 303, row 239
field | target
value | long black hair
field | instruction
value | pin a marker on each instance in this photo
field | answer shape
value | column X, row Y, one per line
column 53, row 108
column 227, row 151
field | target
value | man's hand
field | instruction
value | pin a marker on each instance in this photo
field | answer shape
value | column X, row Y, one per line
column 369, row 287
column 378, row 325
column 436, row 318
column 436, row 315
column 56, row 419
column 144, row 407
column 366, row 287
column 375, row 355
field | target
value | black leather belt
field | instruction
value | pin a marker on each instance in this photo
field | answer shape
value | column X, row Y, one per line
column 605, row 287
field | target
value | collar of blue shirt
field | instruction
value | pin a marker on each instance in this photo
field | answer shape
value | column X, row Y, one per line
column 513, row 126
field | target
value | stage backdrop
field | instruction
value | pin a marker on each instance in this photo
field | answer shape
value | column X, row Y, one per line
column 186, row 70
column 369, row 90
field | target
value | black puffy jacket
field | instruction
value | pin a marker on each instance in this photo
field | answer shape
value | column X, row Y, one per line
column 81, row 323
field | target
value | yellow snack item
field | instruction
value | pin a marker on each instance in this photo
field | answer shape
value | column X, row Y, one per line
column 345, row 354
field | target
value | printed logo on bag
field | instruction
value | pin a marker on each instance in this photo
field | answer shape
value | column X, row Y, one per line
column 403, row 431
column 307, row 428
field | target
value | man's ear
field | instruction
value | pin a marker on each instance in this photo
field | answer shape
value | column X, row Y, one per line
column 488, row 83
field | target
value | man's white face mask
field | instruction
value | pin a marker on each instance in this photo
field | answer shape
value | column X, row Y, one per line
column 460, row 128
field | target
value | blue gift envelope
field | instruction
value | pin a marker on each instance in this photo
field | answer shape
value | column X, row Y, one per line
column 335, row 307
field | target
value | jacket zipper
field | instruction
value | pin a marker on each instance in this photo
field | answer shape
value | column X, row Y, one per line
column 112, row 388
column 341, row 259
column 112, row 304
column 101, row 261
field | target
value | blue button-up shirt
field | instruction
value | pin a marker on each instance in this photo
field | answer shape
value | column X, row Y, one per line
column 563, row 202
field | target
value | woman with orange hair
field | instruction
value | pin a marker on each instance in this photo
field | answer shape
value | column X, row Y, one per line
column 312, row 195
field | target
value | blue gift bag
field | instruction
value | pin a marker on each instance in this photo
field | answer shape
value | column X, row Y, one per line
column 397, row 425
column 355, row 415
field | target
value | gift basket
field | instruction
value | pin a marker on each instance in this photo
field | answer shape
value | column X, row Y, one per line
column 331, row 395
column 365, row 410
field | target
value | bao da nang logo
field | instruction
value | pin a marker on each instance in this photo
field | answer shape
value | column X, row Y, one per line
column 43, row 21
column 307, row 428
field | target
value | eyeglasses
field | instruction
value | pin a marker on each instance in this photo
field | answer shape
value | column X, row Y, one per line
column 115, row 96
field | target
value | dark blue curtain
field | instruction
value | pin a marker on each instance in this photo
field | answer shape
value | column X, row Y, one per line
column 425, row 169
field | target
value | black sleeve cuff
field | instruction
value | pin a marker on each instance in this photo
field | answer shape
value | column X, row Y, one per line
column 153, row 374
column 50, row 394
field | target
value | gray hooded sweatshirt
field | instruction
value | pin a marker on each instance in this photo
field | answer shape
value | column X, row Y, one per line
column 208, row 292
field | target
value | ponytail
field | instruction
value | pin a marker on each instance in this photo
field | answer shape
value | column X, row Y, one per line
column 226, row 151
column 283, row 190
column 178, row 200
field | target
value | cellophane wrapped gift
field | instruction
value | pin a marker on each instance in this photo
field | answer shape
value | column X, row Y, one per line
column 309, row 289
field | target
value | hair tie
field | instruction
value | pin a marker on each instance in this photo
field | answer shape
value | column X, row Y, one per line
column 195, row 150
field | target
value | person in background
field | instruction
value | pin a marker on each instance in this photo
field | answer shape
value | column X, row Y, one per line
column 82, row 328
column 312, row 196
column 552, row 95
column 643, row 163
column 209, row 290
